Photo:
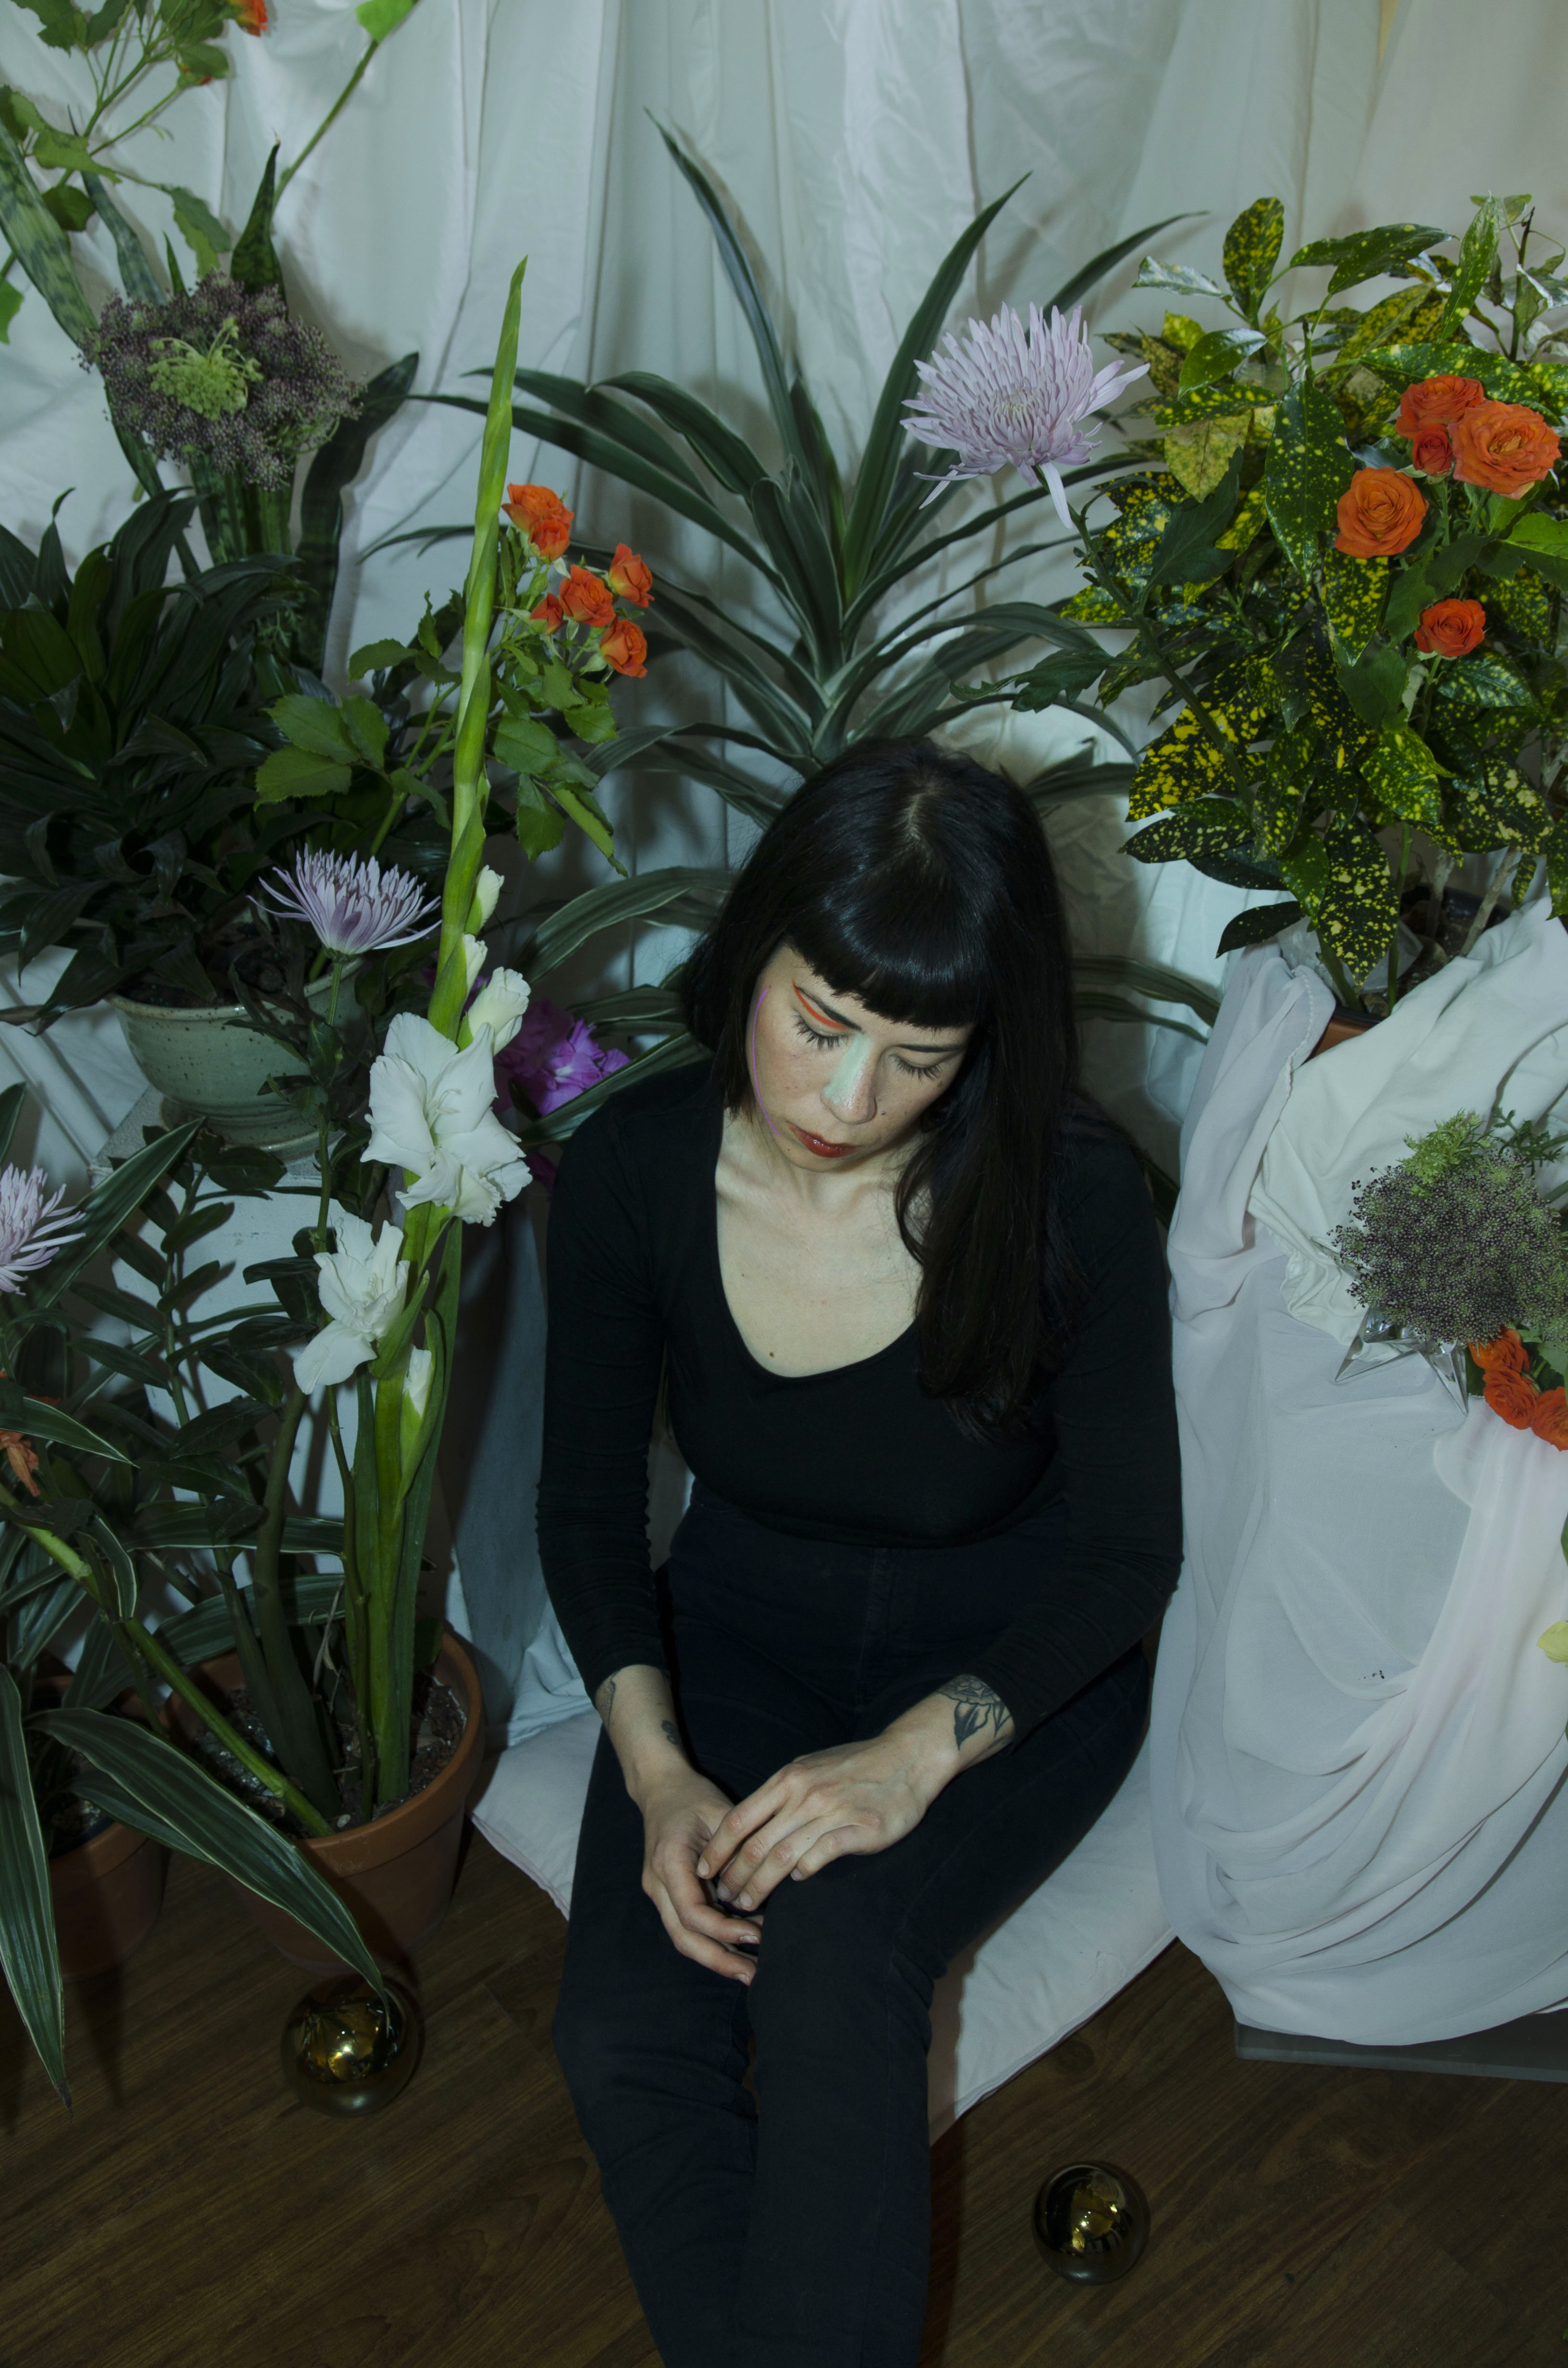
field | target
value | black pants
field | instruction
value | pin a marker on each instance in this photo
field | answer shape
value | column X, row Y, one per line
column 800, row 2240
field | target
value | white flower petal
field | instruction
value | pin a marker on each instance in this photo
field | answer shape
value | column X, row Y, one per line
column 330, row 1356
column 417, row 1388
column 486, row 889
column 499, row 1005
column 475, row 952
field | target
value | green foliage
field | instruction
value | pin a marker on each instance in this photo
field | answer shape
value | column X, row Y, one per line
column 131, row 719
column 1314, row 744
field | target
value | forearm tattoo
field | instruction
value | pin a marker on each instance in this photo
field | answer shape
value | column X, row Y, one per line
column 976, row 1710
column 672, row 1731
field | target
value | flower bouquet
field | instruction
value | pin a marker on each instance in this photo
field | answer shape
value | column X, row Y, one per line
column 1346, row 579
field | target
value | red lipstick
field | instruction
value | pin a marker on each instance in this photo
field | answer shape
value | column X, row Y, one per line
column 815, row 1142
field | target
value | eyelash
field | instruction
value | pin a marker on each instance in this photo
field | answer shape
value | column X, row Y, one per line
column 909, row 1068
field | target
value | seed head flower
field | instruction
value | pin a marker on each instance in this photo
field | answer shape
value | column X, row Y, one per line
column 221, row 373
column 353, row 906
column 31, row 1232
column 1015, row 397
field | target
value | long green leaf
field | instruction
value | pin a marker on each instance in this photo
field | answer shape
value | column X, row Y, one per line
column 615, row 903
column 726, row 455
column 136, row 274
column 1149, row 978
column 11, row 1105
column 1079, row 285
column 594, row 408
column 37, row 1421
column 207, row 1629
column 160, row 1790
column 331, row 472
column 40, row 246
column 794, row 532
column 879, row 462
column 909, row 708
column 108, row 1206
column 742, row 280
column 27, row 1949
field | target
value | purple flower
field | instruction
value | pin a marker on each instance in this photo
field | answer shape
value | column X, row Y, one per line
column 30, row 1233
column 354, row 907
column 1017, row 398
column 553, row 1058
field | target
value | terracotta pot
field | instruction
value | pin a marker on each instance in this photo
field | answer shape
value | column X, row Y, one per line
column 396, row 1874
column 107, row 1891
column 1344, row 1025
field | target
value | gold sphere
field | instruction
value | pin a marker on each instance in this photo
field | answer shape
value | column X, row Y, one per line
column 1091, row 2222
column 345, row 2052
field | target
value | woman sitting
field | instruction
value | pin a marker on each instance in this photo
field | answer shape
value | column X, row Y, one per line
column 908, row 1301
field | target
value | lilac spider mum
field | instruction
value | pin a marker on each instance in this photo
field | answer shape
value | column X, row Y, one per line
column 31, row 1232
column 1015, row 397
column 354, row 907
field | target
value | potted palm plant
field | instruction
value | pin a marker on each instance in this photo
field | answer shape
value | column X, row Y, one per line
column 95, row 1500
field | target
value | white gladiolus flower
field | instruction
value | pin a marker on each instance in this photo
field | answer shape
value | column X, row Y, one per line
column 499, row 1005
column 473, row 961
column 416, row 1381
column 431, row 1115
column 486, row 889
column 362, row 1285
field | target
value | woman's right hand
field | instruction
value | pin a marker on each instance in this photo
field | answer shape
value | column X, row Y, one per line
column 681, row 1811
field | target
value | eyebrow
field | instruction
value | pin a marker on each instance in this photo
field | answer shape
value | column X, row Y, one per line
column 825, row 1011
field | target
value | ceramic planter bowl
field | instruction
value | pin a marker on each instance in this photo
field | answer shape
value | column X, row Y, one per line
column 208, row 1061
column 396, row 1874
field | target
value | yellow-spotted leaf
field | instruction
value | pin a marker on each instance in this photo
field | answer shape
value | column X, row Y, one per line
column 1288, row 773
column 1184, row 763
column 1557, row 865
column 1252, row 250
column 1484, row 680
column 1403, row 774
column 1093, row 607
column 1162, row 363
column 1213, row 826
column 1182, row 331
column 1526, row 604
column 1521, row 817
column 1309, row 468
column 1353, row 596
column 1357, row 913
column 1406, row 312
column 1198, row 454
column 1250, row 520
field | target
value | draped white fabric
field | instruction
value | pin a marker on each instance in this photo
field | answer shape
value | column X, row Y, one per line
column 1358, row 1752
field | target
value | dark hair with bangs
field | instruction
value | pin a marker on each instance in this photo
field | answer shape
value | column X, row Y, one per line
column 921, row 883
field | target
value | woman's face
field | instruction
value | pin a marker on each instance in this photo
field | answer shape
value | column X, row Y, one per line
column 835, row 1082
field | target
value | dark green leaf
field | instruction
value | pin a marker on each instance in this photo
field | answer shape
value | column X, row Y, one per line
column 619, row 901
column 254, row 259
column 1215, row 355
column 1255, row 927
column 1403, row 774
column 26, row 1908
column 1353, row 598
column 46, row 1422
column 1309, row 467
column 1203, row 827
column 1375, row 684
column 221, row 1426
column 40, row 246
column 1357, row 913
column 331, row 471
column 108, row 1205
column 1081, row 281
column 136, row 274
column 1478, row 253
column 160, row 1790
column 1368, row 254
column 201, row 1633
column 1252, row 250
column 297, row 773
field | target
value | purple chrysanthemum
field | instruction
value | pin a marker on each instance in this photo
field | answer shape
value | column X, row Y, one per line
column 31, row 1232
column 1015, row 397
column 354, row 907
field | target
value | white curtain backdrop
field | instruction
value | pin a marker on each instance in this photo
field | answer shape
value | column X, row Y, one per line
column 854, row 139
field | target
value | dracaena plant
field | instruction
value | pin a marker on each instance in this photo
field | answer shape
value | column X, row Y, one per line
column 217, row 377
column 131, row 724
column 116, row 1477
column 837, row 649
column 1347, row 578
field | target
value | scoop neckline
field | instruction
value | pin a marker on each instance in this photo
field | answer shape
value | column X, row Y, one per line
column 825, row 1373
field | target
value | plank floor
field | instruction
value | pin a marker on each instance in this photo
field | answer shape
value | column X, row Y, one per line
column 192, row 2212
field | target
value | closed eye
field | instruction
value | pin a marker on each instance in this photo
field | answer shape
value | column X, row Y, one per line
column 909, row 1068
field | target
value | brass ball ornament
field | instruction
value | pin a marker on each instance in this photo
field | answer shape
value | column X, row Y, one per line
column 345, row 2050
column 1091, row 2222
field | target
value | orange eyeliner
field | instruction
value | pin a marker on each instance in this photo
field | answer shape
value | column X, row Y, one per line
column 820, row 1017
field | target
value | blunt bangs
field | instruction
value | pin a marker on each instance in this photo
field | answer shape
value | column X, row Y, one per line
column 911, row 952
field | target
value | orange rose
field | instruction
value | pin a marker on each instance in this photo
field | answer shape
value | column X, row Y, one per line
column 1431, row 451
column 1381, row 513
column 1452, row 628
column 1505, row 447
column 1437, row 402
column 626, row 647
column 1512, row 1396
column 543, row 517
column 586, row 597
column 1550, row 1418
column 630, row 577
column 1506, row 1354
column 549, row 613
column 250, row 16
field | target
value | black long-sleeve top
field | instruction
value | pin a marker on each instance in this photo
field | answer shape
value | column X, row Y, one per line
column 634, row 1285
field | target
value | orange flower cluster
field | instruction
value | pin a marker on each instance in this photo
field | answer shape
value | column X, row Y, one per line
column 250, row 16
column 1453, row 424
column 1510, row 1393
column 584, row 597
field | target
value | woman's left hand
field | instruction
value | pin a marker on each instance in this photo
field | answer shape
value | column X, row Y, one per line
column 854, row 1799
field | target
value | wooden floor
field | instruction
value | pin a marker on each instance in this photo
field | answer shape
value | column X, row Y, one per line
column 192, row 2213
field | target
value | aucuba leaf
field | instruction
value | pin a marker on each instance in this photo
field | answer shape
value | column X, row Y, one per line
column 1557, row 865
column 1208, row 826
column 1368, row 254
column 1252, row 250
column 1356, row 913
column 1215, row 355
column 1485, row 680
column 1478, row 253
column 1352, row 597
column 1374, row 685
column 1403, row 773
column 1309, row 467
column 1256, row 925
column 1152, row 274
column 1199, row 452
column 1525, row 607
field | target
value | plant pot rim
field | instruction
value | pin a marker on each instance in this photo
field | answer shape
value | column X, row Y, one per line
column 92, row 1859
column 356, row 1848
column 208, row 1014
